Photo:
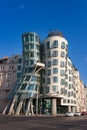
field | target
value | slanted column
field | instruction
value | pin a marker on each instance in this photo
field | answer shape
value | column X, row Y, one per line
column 11, row 110
column 54, row 106
column 19, row 107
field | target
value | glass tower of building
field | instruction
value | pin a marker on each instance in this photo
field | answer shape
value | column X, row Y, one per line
column 26, row 89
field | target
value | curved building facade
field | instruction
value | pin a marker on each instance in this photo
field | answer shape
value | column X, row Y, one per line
column 54, row 82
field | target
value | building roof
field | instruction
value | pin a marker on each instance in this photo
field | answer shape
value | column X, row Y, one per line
column 55, row 33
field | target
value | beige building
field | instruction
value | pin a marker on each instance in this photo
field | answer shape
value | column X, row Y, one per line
column 82, row 97
column 85, row 90
column 8, row 77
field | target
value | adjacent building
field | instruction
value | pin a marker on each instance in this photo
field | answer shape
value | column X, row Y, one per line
column 8, row 77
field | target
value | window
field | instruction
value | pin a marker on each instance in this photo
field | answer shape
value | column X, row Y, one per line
column 48, row 80
column 62, row 82
column 70, row 86
column 65, row 92
column 18, row 75
column 31, row 87
column 55, row 53
column 68, row 101
column 37, row 47
column 47, row 89
column 68, row 94
column 31, row 54
column 31, row 37
column 26, row 47
column 62, row 72
column 55, row 70
column 66, row 84
column 31, row 62
column 31, row 46
column 43, row 72
column 70, row 71
column 19, row 67
column 62, row 54
column 55, row 44
column 55, row 79
column 36, row 38
column 70, row 78
column 62, row 64
column 43, row 80
column 33, row 78
column 49, row 63
column 26, row 38
column 64, row 100
column 55, row 88
column 49, row 53
column 55, row 61
column 62, row 91
column 48, row 72
column 48, row 45
column 27, row 78
column 23, row 86
column 19, row 60
column 63, row 45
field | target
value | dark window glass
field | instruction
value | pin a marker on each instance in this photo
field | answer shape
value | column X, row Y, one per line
column 48, row 45
column 63, row 45
column 55, row 44
column 55, row 70
column 31, row 37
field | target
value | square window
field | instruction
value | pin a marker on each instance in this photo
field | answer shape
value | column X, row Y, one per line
column 55, row 70
column 55, row 79
column 55, row 53
column 55, row 88
column 55, row 61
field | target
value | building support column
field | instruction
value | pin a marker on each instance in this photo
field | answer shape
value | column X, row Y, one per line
column 69, row 108
column 73, row 109
column 11, row 110
column 19, row 107
column 54, row 105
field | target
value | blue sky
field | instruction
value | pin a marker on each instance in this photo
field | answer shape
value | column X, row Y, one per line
column 42, row 16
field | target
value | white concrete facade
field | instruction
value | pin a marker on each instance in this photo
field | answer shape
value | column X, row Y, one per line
column 58, row 79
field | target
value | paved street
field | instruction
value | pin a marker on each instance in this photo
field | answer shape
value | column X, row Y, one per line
column 43, row 123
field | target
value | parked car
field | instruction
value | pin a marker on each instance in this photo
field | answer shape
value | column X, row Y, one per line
column 77, row 114
column 69, row 114
column 83, row 113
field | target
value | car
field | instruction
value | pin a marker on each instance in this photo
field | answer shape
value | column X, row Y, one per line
column 77, row 114
column 83, row 113
column 69, row 114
